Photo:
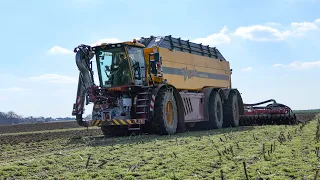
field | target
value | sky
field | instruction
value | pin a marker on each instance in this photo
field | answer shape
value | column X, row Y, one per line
column 272, row 46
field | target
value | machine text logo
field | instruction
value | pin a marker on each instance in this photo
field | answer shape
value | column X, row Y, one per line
column 189, row 73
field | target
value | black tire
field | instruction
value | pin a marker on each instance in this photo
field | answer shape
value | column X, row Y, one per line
column 160, row 122
column 231, row 111
column 215, row 111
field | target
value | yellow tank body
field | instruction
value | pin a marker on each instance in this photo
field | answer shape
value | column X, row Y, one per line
column 187, row 65
column 193, row 72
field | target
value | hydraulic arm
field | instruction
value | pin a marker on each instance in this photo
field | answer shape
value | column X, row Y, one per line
column 84, row 54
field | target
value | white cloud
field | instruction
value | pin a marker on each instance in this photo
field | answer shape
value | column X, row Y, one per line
column 273, row 24
column 302, row 27
column 14, row 89
column 246, row 69
column 215, row 39
column 59, row 50
column 300, row 65
column 275, row 31
column 261, row 33
column 111, row 40
column 55, row 78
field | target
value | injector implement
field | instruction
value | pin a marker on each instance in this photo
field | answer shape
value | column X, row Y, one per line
column 161, row 85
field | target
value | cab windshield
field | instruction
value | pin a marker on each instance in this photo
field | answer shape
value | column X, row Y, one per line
column 113, row 67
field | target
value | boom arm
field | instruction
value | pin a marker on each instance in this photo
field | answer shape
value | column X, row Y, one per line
column 84, row 54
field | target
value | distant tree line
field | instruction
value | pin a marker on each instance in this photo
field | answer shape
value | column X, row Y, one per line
column 11, row 117
column 307, row 111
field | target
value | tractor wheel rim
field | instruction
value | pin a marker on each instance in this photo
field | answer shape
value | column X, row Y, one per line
column 169, row 113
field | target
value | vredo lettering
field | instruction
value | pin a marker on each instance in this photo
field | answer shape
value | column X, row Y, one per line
column 189, row 73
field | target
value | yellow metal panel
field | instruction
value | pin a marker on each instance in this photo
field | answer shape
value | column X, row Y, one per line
column 189, row 71
column 193, row 59
column 194, row 83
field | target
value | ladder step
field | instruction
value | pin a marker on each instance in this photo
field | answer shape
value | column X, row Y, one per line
column 142, row 105
column 140, row 112
column 145, row 93
column 142, row 99
column 133, row 129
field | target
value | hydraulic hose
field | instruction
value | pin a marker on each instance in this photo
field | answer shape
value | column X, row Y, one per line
column 263, row 102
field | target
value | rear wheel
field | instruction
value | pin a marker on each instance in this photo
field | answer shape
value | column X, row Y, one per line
column 231, row 111
column 215, row 111
column 166, row 113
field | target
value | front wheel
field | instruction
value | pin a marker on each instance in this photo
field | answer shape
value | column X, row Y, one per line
column 166, row 113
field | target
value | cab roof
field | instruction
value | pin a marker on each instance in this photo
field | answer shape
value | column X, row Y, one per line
column 130, row 43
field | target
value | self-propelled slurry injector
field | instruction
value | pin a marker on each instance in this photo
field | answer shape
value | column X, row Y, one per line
column 163, row 85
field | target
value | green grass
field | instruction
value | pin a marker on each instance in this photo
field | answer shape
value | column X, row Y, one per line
column 191, row 155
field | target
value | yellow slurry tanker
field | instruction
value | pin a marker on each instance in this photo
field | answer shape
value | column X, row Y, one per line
column 161, row 85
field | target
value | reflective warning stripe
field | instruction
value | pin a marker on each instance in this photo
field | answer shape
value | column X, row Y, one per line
column 118, row 122
column 79, row 104
column 97, row 122
column 127, row 121
column 115, row 121
column 122, row 122
column 153, row 98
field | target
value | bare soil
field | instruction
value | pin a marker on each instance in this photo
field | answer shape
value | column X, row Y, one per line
column 50, row 135
column 38, row 127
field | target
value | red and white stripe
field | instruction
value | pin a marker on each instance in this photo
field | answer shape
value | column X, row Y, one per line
column 153, row 98
column 79, row 105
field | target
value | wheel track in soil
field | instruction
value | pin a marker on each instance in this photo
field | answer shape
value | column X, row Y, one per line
column 50, row 135
column 17, row 128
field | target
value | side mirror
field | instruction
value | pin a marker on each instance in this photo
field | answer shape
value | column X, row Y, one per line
column 107, row 68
